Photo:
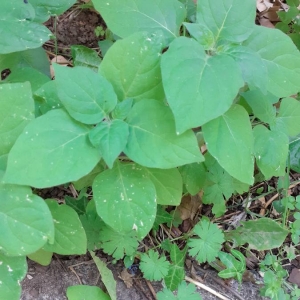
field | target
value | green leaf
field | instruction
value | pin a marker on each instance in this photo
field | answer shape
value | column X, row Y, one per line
column 87, row 96
column 295, row 154
column 281, row 58
column 162, row 217
column 270, row 150
column 261, row 105
column 193, row 176
column 20, row 32
column 117, row 244
column 52, row 143
column 110, row 138
column 190, row 7
column 16, row 111
column 122, row 109
column 86, row 292
column 25, row 221
column 188, row 73
column 79, row 205
column 206, row 247
column 41, row 256
column 69, row 236
column 125, row 199
column 288, row 118
column 138, row 15
column 153, row 141
column 132, row 66
column 85, row 57
column 185, row 292
column 153, row 266
column 12, row 272
column 221, row 18
column 106, row 277
column 168, row 185
column 261, row 234
column 233, row 131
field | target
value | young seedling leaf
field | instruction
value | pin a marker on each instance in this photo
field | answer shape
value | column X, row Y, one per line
column 86, row 95
column 206, row 247
column 162, row 217
column 153, row 141
column 153, row 266
column 110, row 138
column 185, row 292
column 79, row 205
column 132, row 66
column 122, row 109
column 125, row 17
column 86, row 292
column 69, row 236
column 54, row 140
column 85, row 57
column 188, row 73
column 261, row 234
column 42, row 257
column 125, row 199
column 233, row 131
column 12, row 272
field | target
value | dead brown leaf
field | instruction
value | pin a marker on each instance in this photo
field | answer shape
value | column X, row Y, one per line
column 127, row 278
column 189, row 207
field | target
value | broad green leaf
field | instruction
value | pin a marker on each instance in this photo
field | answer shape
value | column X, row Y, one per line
column 188, row 73
column 125, row 199
column 185, row 292
column 270, row 150
column 261, row 234
column 86, row 292
column 153, row 266
column 16, row 111
column 289, row 116
column 295, row 154
column 25, row 221
column 32, row 58
column 233, row 131
column 52, row 143
column 106, row 277
column 12, row 272
column 132, row 66
column 206, row 247
column 168, row 185
column 41, row 256
column 85, row 57
column 190, row 7
column 261, row 105
column 281, row 58
column 110, row 138
column 69, row 235
column 124, row 17
column 122, row 109
column 193, row 176
column 223, row 15
column 18, row 31
column 87, row 96
column 153, row 141
column 44, row 9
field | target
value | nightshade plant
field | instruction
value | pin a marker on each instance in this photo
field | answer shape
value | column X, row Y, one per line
column 180, row 76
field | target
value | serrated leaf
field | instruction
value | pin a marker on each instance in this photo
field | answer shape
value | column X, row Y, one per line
column 79, row 205
column 52, row 143
column 86, row 95
column 12, row 271
column 153, row 141
column 106, row 277
column 26, row 221
column 122, row 109
column 270, row 150
column 110, row 138
column 188, row 72
column 221, row 18
column 132, row 66
column 168, row 185
column 294, row 148
column 69, row 236
column 206, row 247
column 281, row 58
column 117, row 244
column 153, row 266
column 16, row 111
column 288, row 118
column 234, row 132
column 86, row 292
column 85, row 57
column 41, row 256
column 162, row 217
column 16, row 17
column 125, row 198
column 261, row 234
column 138, row 15
column 185, row 292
